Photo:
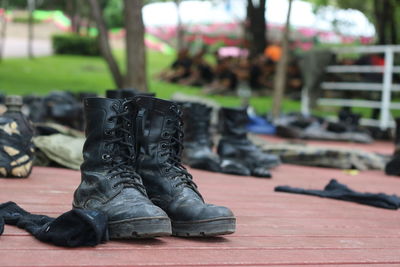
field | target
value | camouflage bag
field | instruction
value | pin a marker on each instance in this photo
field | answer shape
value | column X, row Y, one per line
column 60, row 148
column 16, row 148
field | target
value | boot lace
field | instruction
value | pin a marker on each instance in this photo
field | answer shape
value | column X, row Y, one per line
column 123, row 150
column 173, row 150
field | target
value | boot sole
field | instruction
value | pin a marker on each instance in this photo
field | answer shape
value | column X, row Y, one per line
column 212, row 227
column 201, row 165
column 140, row 228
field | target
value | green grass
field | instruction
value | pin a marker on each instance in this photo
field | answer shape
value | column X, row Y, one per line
column 90, row 74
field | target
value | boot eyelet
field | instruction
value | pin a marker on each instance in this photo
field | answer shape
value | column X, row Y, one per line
column 165, row 135
column 111, row 120
column 163, row 146
column 105, row 157
column 168, row 121
column 108, row 132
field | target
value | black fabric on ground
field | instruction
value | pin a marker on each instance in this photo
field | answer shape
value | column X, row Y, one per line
column 393, row 166
column 336, row 190
column 1, row 225
column 74, row 228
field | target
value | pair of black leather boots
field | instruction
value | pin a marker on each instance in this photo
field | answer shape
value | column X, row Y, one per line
column 132, row 172
column 236, row 154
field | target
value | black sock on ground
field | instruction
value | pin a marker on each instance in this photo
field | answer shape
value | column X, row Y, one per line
column 72, row 229
column 336, row 190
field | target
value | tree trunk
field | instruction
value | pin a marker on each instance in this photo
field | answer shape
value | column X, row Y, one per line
column 104, row 43
column 256, row 27
column 179, row 27
column 3, row 29
column 135, row 48
column 392, row 23
column 31, row 8
column 384, row 16
column 72, row 11
column 280, row 76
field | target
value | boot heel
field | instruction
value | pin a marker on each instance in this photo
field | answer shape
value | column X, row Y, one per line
column 140, row 228
column 212, row 227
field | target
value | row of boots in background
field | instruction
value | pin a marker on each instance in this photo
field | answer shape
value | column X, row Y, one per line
column 393, row 166
column 236, row 153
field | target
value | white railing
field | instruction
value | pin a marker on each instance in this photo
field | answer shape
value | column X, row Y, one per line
column 385, row 104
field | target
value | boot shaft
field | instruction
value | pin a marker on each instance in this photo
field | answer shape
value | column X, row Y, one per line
column 233, row 122
column 106, row 120
column 159, row 162
column 158, row 120
column 159, row 133
column 126, row 93
column 196, row 118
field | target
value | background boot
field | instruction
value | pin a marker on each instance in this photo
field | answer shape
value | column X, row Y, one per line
column 393, row 166
column 109, row 181
column 16, row 147
column 234, row 146
column 126, row 93
column 197, row 139
column 167, row 182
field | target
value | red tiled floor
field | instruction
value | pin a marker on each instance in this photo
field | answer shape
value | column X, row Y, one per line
column 272, row 228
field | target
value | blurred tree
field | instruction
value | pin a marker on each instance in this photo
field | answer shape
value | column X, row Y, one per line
column 3, row 29
column 179, row 27
column 31, row 9
column 113, row 13
column 384, row 14
column 105, row 44
column 135, row 49
column 281, row 69
column 256, row 26
column 180, row 34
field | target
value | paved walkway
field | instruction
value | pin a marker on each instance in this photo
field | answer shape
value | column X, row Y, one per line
column 16, row 44
column 272, row 228
column 18, row 47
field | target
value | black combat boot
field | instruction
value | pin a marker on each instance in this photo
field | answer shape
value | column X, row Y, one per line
column 110, row 182
column 238, row 154
column 16, row 147
column 126, row 93
column 393, row 166
column 197, row 139
column 167, row 182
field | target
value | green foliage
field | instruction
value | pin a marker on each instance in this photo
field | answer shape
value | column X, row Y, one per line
column 90, row 74
column 364, row 6
column 113, row 13
column 25, row 19
column 43, row 4
column 73, row 44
